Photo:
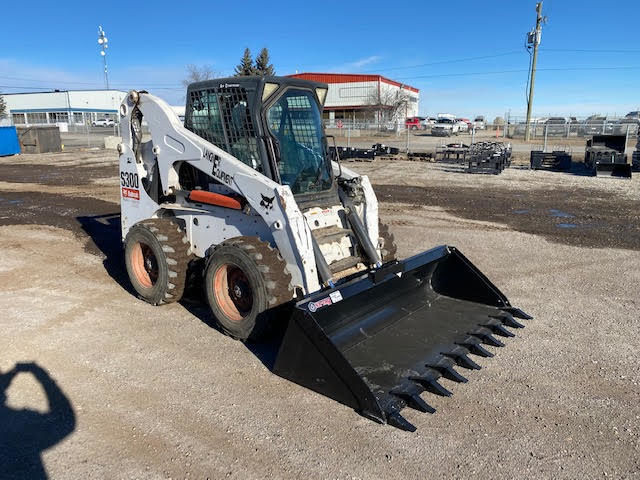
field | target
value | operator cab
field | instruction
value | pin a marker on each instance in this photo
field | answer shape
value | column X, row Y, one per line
column 272, row 124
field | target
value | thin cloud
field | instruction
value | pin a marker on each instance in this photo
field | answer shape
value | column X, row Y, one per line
column 356, row 65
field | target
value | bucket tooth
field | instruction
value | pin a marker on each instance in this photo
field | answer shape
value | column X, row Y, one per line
column 414, row 401
column 451, row 374
column 462, row 359
column 516, row 312
column 448, row 372
column 432, row 386
column 398, row 421
column 509, row 321
column 473, row 345
column 484, row 335
column 499, row 329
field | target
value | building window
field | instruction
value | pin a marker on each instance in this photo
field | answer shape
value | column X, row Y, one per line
column 18, row 118
column 37, row 117
column 58, row 117
column 77, row 118
column 358, row 92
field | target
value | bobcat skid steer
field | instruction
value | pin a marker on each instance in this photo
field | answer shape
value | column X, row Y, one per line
column 247, row 190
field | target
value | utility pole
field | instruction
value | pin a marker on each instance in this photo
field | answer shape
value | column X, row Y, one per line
column 533, row 38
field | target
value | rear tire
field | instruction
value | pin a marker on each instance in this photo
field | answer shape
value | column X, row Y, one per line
column 156, row 256
column 386, row 243
column 245, row 279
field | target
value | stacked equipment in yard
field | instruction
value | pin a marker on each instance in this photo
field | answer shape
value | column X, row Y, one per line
column 479, row 157
column 558, row 159
column 635, row 159
column 362, row 154
column 488, row 157
column 452, row 153
column 604, row 156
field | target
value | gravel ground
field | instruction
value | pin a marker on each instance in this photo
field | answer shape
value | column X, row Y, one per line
column 155, row 392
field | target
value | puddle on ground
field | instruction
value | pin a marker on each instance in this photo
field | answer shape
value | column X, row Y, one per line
column 520, row 212
column 11, row 202
column 560, row 213
column 566, row 225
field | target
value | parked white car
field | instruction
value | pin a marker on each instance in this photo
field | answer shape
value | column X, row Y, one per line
column 428, row 122
column 445, row 127
column 463, row 126
column 479, row 123
column 103, row 122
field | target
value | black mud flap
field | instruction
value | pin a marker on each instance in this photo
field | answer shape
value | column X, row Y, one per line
column 615, row 170
column 377, row 342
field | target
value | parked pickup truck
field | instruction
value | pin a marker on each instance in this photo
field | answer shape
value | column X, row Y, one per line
column 414, row 123
column 479, row 123
column 445, row 127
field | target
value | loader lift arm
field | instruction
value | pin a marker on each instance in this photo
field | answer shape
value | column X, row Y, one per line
column 172, row 143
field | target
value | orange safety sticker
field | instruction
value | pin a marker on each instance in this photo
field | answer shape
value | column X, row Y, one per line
column 131, row 193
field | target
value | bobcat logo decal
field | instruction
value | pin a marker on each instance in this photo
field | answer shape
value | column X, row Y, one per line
column 267, row 202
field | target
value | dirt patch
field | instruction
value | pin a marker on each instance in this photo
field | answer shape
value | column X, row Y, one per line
column 57, row 175
column 575, row 216
column 68, row 212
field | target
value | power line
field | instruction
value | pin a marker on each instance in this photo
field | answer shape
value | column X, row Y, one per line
column 71, row 82
column 585, row 50
column 496, row 72
column 443, row 62
column 415, row 77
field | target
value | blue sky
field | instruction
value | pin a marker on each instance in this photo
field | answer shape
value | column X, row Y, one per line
column 583, row 45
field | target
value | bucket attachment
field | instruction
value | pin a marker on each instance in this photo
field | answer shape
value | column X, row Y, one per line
column 377, row 342
column 617, row 170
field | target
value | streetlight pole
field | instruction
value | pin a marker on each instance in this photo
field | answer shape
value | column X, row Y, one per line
column 103, row 42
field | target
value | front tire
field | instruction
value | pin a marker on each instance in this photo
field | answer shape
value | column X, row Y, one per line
column 156, row 256
column 245, row 279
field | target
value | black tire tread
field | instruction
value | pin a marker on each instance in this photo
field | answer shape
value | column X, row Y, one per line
column 271, row 265
column 176, row 247
column 276, row 279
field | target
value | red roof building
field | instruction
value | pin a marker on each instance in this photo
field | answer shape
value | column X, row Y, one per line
column 365, row 98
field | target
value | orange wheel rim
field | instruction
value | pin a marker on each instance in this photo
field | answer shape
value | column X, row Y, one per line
column 232, row 292
column 144, row 265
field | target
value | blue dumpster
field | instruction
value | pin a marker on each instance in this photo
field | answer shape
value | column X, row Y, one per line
column 9, row 141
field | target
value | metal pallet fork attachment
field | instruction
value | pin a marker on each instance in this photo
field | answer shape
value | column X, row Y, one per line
column 378, row 341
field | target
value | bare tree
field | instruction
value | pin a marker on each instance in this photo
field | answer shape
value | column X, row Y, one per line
column 198, row 74
column 3, row 107
column 390, row 104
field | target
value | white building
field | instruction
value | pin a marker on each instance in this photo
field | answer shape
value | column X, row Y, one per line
column 365, row 98
column 70, row 107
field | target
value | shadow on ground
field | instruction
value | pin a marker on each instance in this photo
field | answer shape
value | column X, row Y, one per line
column 24, row 433
column 105, row 240
column 104, row 235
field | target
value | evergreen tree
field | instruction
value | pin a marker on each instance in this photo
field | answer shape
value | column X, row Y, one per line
column 246, row 65
column 263, row 67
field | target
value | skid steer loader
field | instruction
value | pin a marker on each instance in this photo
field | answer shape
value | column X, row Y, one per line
column 247, row 190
